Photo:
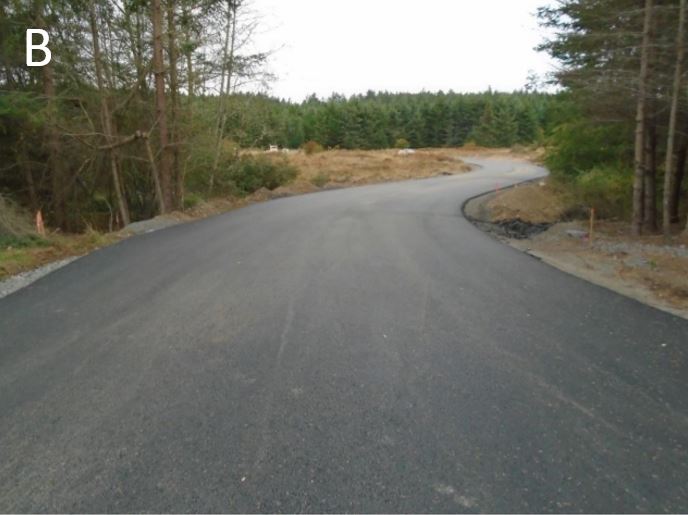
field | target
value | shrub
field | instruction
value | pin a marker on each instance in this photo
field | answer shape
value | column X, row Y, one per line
column 607, row 189
column 401, row 143
column 312, row 147
column 191, row 200
column 199, row 172
column 518, row 148
column 320, row 180
column 94, row 237
column 14, row 221
column 578, row 147
column 593, row 162
column 251, row 173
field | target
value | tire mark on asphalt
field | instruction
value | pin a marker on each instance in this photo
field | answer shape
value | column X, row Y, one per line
column 261, row 451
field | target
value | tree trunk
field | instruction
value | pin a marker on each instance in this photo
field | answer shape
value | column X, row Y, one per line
column 141, row 71
column 640, row 123
column 650, row 183
column 134, row 32
column 165, row 166
column 154, row 173
column 107, row 118
column 22, row 160
column 174, row 99
column 670, row 169
column 188, row 54
column 225, row 84
column 680, row 174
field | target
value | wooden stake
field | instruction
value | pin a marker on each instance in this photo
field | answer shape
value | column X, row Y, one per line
column 40, row 226
column 592, row 225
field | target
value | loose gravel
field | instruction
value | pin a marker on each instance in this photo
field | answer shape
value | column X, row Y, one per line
column 152, row 224
column 19, row 281
column 16, row 282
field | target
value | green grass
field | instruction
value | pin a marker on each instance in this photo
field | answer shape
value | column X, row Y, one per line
column 8, row 241
column 21, row 253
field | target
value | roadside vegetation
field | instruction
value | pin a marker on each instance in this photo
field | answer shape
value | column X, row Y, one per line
column 621, row 139
column 21, row 248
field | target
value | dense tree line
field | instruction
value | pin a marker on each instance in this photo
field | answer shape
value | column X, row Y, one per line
column 626, row 129
column 111, row 125
column 381, row 120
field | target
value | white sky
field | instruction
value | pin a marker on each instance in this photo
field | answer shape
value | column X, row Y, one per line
column 352, row 46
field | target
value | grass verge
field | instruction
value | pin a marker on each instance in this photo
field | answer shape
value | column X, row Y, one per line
column 16, row 258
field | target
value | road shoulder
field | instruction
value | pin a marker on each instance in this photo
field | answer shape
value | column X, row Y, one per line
column 531, row 218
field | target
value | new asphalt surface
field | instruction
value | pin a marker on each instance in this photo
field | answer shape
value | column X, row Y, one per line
column 363, row 350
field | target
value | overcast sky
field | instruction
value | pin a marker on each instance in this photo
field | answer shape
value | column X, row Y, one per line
column 352, row 46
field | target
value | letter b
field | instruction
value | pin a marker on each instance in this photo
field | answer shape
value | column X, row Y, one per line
column 43, row 47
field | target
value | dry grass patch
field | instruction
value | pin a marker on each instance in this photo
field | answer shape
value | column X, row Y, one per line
column 354, row 167
column 538, row 202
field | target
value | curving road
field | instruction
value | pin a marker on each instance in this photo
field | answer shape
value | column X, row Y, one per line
column 354, row 350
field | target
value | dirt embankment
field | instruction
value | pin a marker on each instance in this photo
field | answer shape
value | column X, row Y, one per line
column 539, row 218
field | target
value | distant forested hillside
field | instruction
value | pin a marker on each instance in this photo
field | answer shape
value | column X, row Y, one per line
column 384, row 120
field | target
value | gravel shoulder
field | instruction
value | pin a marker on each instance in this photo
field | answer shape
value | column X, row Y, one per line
column 648, row 269
column 16, row 282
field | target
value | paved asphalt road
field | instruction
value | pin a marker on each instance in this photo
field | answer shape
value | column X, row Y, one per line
column 354, row 350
